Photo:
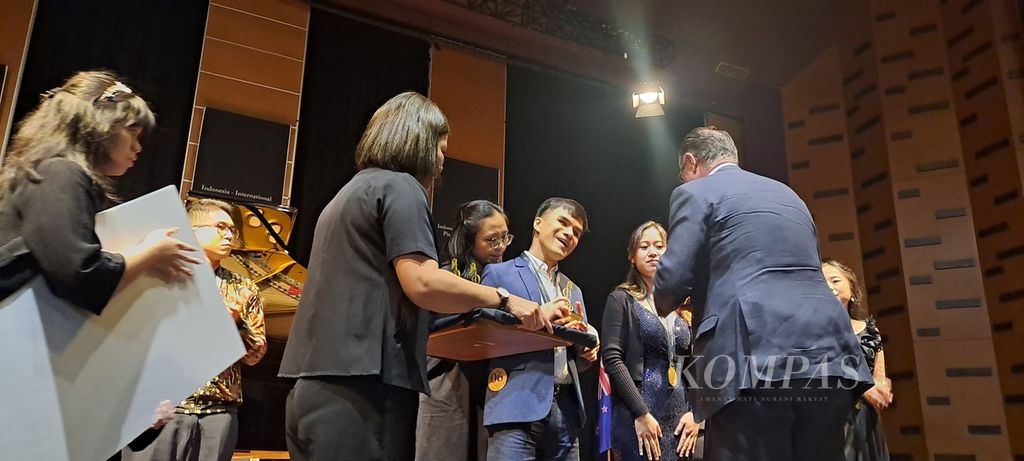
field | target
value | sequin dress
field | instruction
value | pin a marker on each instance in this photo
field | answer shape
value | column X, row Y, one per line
column 667, row 403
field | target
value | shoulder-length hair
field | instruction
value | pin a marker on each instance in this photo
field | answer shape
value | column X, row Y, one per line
column 77, row 121
column 857, row 308
column 635, row 284
column 403, row 135
column 468, row 221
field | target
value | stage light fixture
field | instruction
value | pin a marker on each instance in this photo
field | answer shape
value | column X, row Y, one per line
column 648, row 99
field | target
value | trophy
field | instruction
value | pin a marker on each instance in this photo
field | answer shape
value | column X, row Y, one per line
column 574, row 314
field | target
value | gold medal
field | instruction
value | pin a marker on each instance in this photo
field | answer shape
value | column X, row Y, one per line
column 672, row 378
column 497, row 379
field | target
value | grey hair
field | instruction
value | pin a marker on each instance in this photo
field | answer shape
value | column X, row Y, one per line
column 709, row 145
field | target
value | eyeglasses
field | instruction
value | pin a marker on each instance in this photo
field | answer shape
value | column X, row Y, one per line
column 222, row 228
column 498, row 240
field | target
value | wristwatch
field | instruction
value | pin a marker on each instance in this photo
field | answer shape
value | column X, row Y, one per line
column 504, row 295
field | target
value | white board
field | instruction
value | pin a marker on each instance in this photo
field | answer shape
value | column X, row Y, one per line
column 76, row 386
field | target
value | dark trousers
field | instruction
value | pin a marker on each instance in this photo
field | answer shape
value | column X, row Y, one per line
column 801, row 423
column 190, row 438
column 553, row 438
column 351, row 417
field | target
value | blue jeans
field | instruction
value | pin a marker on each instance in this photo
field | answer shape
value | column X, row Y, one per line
column 553, row 438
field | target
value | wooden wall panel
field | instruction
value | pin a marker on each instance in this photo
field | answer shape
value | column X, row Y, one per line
column 818, row 155
column 868, row 134
column 931, row 93
column 293, row 13
column 470, row 88
column 247, row 98
column 983, row 41
column 245, row 26
column 238, row 62
column 252, row 64
column 15, row 29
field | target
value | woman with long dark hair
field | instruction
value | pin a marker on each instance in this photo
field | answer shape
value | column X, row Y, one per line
column 449, row 424
column 640, row 351
column 865, row 439
column 58, row 174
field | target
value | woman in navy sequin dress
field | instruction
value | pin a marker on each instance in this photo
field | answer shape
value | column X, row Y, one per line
column 651, row 417
column 865, row 439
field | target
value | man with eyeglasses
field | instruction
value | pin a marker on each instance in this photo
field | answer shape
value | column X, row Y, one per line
column 205, row 425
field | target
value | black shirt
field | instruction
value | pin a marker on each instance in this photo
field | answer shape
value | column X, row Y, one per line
column 56, row 219
column 354, row 319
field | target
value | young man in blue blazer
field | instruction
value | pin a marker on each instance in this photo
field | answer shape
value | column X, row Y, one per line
column 534, row 408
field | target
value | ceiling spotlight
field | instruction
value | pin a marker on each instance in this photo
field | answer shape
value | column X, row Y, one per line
column 648, row 99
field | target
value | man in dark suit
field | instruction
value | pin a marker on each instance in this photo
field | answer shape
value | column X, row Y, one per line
column 776, row 365
column 534, row 407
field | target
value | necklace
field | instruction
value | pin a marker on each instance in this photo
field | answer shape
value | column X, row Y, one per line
column 648, row 304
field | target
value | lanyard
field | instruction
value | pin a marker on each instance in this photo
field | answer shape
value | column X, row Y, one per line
column 669, row 327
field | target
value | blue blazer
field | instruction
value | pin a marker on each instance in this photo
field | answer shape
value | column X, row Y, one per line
column 529, row 391
column 745, row 248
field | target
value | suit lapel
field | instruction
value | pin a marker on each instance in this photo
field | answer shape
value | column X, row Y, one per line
column 529, row 279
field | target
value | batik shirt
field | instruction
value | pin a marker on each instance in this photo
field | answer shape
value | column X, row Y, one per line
column 225, row 390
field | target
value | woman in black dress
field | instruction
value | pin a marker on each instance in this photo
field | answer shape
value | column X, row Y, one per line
column 865, row 439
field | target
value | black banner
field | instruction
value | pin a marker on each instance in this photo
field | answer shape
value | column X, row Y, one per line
column 460, row 182
column 241, row 158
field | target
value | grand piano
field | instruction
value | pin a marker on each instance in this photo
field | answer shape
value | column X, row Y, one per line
column 262, row 256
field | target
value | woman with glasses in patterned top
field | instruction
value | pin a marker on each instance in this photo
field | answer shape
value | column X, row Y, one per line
column 449, row 424
column 58, row 174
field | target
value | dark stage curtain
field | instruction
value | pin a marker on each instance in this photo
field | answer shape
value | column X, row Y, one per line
column 351, row 69
column 154, row 46
column 764, row 139
column 572, row 138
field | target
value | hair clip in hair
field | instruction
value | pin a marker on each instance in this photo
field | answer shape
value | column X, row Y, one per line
column 114, row 90
column 48, row 94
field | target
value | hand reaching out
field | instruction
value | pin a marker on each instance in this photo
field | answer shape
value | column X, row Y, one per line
column 163, row 414
column 532, row 316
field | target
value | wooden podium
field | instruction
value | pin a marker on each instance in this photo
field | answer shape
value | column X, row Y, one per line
column 486, row 339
